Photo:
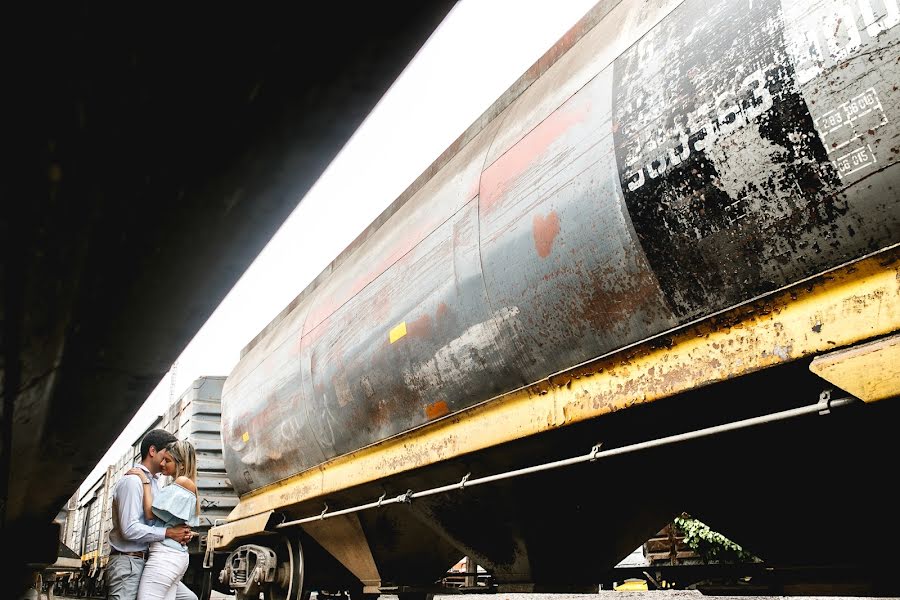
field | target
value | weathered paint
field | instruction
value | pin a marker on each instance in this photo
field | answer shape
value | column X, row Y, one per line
column 727, row 178
column 839, row 309
column 545, row 230
column 676, row 160
column 506, row 176
column 870, row 371
column 595, row 291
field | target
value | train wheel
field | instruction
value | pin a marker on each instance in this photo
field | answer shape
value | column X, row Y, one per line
column 206, row 584
column 288, row 584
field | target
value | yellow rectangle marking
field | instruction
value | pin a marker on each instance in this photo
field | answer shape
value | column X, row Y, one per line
column 398, row 332
column 246, row 436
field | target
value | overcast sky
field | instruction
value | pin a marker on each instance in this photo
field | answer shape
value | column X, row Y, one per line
column 479, row 50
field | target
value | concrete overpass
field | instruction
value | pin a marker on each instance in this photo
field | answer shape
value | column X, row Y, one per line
column 152, row 152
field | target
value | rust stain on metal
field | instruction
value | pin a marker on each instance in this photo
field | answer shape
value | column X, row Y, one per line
column 436, row 410
column 442, row 312
column 611, row 296
column 341, row 389
column 420, row 328
column 544, row 230
column 561, row 380
column 399, row 247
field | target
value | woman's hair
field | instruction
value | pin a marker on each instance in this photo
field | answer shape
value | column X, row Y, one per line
column 185, row 462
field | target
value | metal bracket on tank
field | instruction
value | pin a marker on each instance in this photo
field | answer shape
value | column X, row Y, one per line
column 405, row 498
column 462, row 483
column 322, row 514
column 825, row 403
column 381, row 498
column 595, row 451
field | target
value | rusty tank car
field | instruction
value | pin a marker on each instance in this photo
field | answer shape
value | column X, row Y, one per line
column 683, row 218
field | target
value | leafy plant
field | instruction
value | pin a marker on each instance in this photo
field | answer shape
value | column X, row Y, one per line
column 711, row 545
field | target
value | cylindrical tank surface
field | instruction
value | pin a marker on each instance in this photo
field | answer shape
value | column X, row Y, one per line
column 676, row 159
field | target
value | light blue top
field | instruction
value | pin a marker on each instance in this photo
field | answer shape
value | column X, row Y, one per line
column 174, row 505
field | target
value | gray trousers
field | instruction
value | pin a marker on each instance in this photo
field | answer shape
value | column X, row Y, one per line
column 123, row 574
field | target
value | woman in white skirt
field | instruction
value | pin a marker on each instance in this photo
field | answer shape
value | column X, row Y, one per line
column 174, row 504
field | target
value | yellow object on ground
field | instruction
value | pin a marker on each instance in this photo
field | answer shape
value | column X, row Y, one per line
column 631, row 585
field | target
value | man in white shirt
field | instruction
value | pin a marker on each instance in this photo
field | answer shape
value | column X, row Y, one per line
column 131, row 533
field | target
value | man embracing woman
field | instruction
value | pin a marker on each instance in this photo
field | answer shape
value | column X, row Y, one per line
column 155, row 522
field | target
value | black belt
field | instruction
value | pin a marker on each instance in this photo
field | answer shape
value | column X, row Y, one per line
column 136, row 553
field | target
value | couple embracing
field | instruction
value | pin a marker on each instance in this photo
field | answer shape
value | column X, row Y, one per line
column 151, row 526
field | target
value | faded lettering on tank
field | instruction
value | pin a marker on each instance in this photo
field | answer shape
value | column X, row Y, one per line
column 723, row 172
column 724, row 112
column 290, row 429
column 844, row 130
column 855, row 160
column 821, row 35
column 837, row 47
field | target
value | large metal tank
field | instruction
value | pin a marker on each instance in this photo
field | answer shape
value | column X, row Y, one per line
column 682, row 216
column 665, row 161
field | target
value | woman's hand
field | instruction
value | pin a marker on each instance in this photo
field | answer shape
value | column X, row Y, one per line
column 148, row 491
column 140, row 473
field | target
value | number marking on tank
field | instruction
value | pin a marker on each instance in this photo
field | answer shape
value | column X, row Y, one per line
column 843, row 128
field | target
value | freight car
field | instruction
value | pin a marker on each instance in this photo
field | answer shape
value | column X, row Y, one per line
column 195, row 416
column 673, row 241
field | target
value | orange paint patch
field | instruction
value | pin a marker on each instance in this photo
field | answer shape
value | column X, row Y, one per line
column 498, row 179
column 442, row 311
column 421, row 327
column 545, row 230
column 438, row 409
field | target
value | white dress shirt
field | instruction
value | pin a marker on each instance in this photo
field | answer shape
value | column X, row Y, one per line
column 131, row 531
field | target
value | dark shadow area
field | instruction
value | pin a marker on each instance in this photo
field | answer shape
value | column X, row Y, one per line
column 151, row 154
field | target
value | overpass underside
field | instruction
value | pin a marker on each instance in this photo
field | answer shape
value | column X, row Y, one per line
column 152, row 153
